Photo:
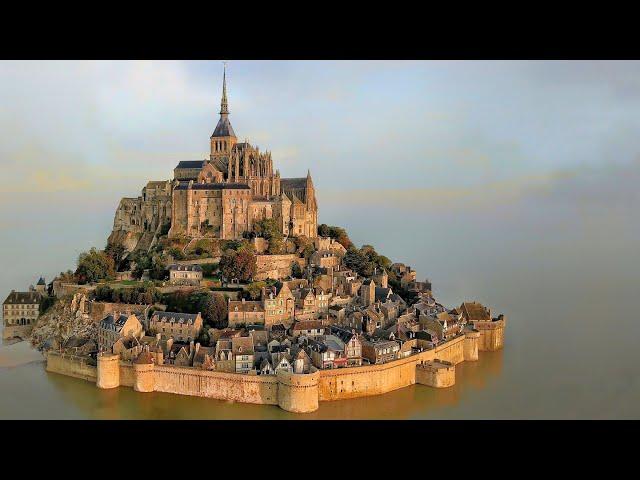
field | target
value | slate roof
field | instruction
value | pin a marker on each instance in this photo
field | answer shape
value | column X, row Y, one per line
column 307, row 325
column 22, row 298
column 246, row 306
column 187, row 318
column 242, row 345
column 341, row 333
column 223, row 128
column 114, row 324
column 192, row 164
column 295, row 188
column 382, row 293
column 213, row 186
column 41, row 281
column 186, row 268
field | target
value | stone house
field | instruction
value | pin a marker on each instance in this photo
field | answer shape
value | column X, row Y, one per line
column 381, row 278
column 20, row 311
column 281, row 362
column 279, row 308
column 242, row 348
column 368, row 292
column 305, row 302
column 307, row 328
column 246, row 312
column 266, row 368
column 224, row 355
column 352, row 345
column 115, row 326
column 185, row 274
column 183, row 327
column 380, row 351
column 323, row 300
column 325, row 259
column 337, row 313
column 327, row 352
column 300, row 359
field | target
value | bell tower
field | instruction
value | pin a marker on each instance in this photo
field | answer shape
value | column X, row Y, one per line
column 223, row 138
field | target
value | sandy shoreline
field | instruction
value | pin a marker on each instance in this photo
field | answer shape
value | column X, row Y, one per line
column 17, row 354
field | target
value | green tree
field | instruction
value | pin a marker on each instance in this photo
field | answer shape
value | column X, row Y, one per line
column 276, row 245
column 338, row 233
column 116, row 251
column 304, row 246
column 296, row 270
column 255, row 290
column 95, row 265
column 213, row 308
column 241, row 265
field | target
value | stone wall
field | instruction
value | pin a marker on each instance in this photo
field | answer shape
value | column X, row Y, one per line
column 343, row 383
column 219, row 385
column 98, row 310
column 436, row 374
column 491, row 335
column 292, row 392
column 275, row 266
column 71, row 365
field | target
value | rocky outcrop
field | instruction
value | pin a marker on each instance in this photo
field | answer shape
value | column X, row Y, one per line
column 129, row 240
column 67, row 318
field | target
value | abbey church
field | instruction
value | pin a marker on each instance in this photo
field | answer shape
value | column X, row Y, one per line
column 221, row 196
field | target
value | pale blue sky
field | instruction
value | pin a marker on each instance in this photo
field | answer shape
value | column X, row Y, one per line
column 414, row 135
column 382, row 124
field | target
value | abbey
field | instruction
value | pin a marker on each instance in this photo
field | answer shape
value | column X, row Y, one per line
column 220, row 197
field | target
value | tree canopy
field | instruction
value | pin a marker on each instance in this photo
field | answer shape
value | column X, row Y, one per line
column 239, row 264
column 95, row 265
column 338, row 233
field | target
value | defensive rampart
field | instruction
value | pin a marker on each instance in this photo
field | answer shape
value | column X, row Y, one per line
column 298, row 393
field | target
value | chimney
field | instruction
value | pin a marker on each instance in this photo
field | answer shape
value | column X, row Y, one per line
column 197, row 347
column 158, row 336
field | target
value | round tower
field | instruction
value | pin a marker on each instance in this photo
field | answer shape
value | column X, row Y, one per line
column 298, row 393
column 144, row 378
column 108, row 372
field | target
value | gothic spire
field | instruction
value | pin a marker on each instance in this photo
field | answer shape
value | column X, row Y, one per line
column 224, row 106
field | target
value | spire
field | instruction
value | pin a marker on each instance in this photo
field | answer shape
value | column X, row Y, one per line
column 224, row 105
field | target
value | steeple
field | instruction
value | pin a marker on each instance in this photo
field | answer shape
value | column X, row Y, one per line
column 223, row 138
column 224, row 105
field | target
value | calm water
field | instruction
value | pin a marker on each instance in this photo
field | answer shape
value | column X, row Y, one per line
column 562, row 264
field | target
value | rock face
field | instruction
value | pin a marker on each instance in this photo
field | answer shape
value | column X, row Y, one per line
column 67, row 318
column 129, row 240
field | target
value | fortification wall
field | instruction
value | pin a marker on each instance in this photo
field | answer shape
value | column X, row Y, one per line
column 292, row 392
column 343, row 383
column 491, row 335
column 71, row 365
column 127, row 374
column 222, row 386
column 298, row 393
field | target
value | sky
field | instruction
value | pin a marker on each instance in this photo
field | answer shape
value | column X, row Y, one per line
column 76, row 136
